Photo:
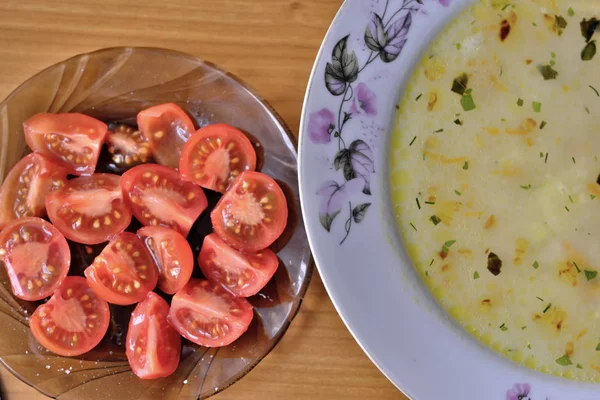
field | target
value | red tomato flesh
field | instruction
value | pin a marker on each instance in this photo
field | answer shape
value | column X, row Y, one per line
column 89, row 209
column 172, row 255
column 158, row 196
column 124, row 272
column 252, row 214
column 26, row 186
column 242, row 274
column 36, row 256
column 206, row 314
column 166, row 127
column 215, row 155
column 71, row 140
column 152, row 346
column 73, row 321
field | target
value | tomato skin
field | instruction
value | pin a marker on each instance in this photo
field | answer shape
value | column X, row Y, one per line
column 172, row 254
column 89, row 209
column 158, row 196
column 215, row 155
column 242, row 274
column 252, row 214
column 36, row 256
column 73, row 321
column 25, row 187
column 206, row 314
column 152, row 346
column 50, row 134
column 124, row 272
column 166, row 127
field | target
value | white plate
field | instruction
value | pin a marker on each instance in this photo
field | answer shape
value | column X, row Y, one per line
column 351, row 224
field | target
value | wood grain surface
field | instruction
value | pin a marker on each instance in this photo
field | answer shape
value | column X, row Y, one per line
column 271, row 44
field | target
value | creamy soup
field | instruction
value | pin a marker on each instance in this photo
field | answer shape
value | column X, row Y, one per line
column 495, row 179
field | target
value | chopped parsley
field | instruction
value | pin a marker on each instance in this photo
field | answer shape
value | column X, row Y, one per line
column 598, row 347
column 567, row 208
column 476, row 275
column 414, row 227
column 595, row 90
column 528, row 186
column 537, row 106
column 547, row 308
column 560, row 23
column 571, row 12
column 553, row 54
column 503, row 327
column 494, row 264
column 546, row 159
column 467, row 101
column 587, row 110
column 589, row 275
column 565, row 361
column 457, row 192
column 523, row 327
column 536, row 265
column 539, row 298
column 459, row 85
column 506, row 6
column 576, row 267
column 588, row 27
column 543, row 124
column 458, row 121
column 412, row 141
column 458, row 46
column 571, row 199
column 579, row 366
column 446, row 247
column 520, row 102
column 438, row 131
column 589, row 51
column 435, row 219
column 432, row 261
column 547, row 72
column 430, row 202
column 466, row 165
column 573, row 158
column 418, row 204
column 418, row 97
column 528, row 346
column 592, row 196
column 541, row 155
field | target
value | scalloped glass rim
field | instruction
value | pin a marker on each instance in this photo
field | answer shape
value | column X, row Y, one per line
column 87, row 83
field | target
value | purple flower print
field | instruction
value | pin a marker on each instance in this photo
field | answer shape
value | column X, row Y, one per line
column 364, row 101
column 445, row 3
column 320, row 126
column 332, row 198
column 519, row 391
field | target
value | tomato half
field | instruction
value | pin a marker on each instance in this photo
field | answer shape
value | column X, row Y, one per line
column 89, row 209
column 124, row 272
column 152, row 346
column 73, row 321
column 206, row 314
column 26, row 186
column 127, row 147
column 252, row 213
column 71, row 140
column 158, row 196
column 242, row 274
column 166, row 127
column 36, row 256
column 172, row 255
column 215, row 155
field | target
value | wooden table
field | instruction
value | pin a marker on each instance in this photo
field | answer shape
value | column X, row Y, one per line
column 271, row 44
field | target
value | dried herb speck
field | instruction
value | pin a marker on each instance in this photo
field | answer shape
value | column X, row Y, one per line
column 494, row 264
column 459, row 85
column 547, row 72
column 589, row 51
column 588, row 27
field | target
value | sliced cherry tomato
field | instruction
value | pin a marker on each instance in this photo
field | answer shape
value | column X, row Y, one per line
column 166, row 127
column 252, row 213
column 71, row 140
column 172, row 255
column 127, row 147
column 215, row 155
column 73, row 321
column 208, row 315
column 242, row 274
column 153, row 346
column 158, row 196
column 26, row 186
column 36, row 256
column 124, row 272
column 89, row 209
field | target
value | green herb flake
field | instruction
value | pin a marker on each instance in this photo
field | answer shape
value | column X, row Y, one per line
column 547, row 308
column 598, row 347
column 573, row 158
column 414, row 227
column 476, row 275
column 546, row 159
column 458, row 46
column 539, row 298
column 412, row 141
column 466, row 165
column 524, row 327
column 537, row 106
column 547, row 72
column 457, row 192
column 418, row 97
column 432, row 261
column 528, row 346
column 506, row 6
column 588, row 27
column 435, row 219
column 576, row 267
column 553, row 54
column 503, row 327
column 458, row 121
column 579, row 366
column 560, row 23
column 430, row 202
column 571, row 12
column 534, row 24
column 589, row 275
column 426, row 273
column 494, row 264
column 467, row 101
column 543, row 125
column 418, row 204
column 520, row 102
column 589, row 51
column 459, row 85
column 592, row 196
column 587, row 110
column 571, row 199
column 552, row 63
column 526, row 187
column 541, row 155
column 565, row 361
column 536, row 265
column 449, row 243
column 595, row 90
column 438, row 131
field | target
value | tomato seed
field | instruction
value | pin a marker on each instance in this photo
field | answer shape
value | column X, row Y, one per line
column 69, row 292
column 159, row 134
column 191, row 195
column 96, row 224
column 136, row 284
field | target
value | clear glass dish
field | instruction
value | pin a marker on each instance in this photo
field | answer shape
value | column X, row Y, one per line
column 113, row 85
